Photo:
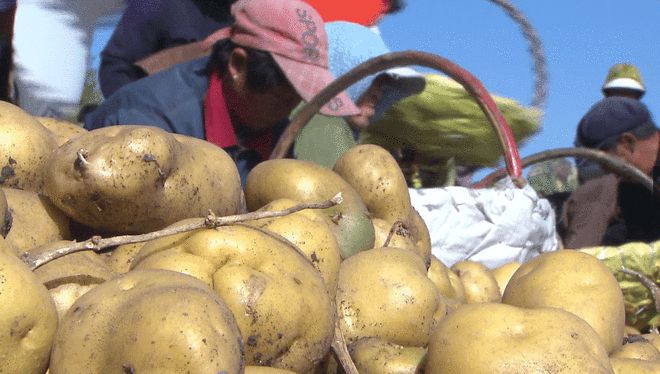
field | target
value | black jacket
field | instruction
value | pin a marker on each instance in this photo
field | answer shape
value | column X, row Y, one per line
column 148, row 26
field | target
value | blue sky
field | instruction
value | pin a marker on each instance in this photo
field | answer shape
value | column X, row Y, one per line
column 582, row 39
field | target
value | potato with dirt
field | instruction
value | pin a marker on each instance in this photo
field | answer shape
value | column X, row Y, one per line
column 576, row 282
column 25, row 148
column 376, row 356
column 447, row 282
column 479, row 284
column 137, row 179
column 385, row 293
column 63, row 130
column 309, row 183
column 30, row 210
column 494, row 338
column 279, row 299
column 154, row 321
column 28, row 319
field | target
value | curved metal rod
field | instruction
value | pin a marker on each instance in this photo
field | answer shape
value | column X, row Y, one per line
column 613, row 163
column 535, row 48
column 396, row 59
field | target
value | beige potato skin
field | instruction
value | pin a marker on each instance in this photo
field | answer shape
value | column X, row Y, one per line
column 447, row 282
column 385, row 293
column 576, row 282
column 280, row 302
column 153, row 321
column 400, row 238
column 493, row 338
column 28, row 319
column 634, row 366
column 504, row 273
column 63, row 130
column 266, row 370
column 24, row 150
column 308, row 182
column 313, row 237
column 640, row 350
column 653, row 338
column 376, row 176
column 480, row 285
column 120, row 259
column 35, row 220
column 137, row 179
column 376, row 356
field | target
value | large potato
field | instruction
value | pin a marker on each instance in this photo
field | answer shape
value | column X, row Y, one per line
column 153, row 321
column 25, row 146
column 279, row 299
column 634, row 366
column 137, row 179
column 493, row 338
column 385, row 293
column 576, row 282
column 28, row 319
column 35, row 220
column 63, row 130
column 640, row 350
column 312, row 234
column 266, row 370
column 310, row 183
column 376, row 356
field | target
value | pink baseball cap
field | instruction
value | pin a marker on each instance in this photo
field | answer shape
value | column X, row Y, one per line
column 294, row 33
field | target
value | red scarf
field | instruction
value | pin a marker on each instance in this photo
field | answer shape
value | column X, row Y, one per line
column 219, row 128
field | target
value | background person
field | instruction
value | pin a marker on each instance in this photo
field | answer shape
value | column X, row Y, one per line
column 147, row 27
column 607, row 210
column 240, row 97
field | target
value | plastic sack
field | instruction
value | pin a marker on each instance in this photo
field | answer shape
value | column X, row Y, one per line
column 492, row 226
column 643, row 258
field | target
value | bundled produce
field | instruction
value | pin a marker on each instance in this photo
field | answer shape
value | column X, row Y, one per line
column 643, row 258
column 444, row 122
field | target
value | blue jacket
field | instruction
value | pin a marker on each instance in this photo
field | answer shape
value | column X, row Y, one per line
column 174, row 101
column 148, row 26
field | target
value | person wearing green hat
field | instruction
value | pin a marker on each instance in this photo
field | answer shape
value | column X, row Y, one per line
column 623, row 80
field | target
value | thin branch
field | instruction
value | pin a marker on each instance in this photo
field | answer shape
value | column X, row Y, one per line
column 96, row 243
column 648, row 283
column 341, row 351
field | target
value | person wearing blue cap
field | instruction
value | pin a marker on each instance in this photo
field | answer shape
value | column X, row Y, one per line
column 323, row 140
column 608, row 210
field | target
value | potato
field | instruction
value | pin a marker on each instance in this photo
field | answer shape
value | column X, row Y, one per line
column 480, row 285
column 377, row 178
column 447, row 282
column 640, row 350
column 137, row 179
column 503, row 273
column 152, row 321
column 279, row 299
column 634, row 366
column 493, row 338
column 120, row 259
column 653, row 338
column 376, row 356
column 400, row 238
column 28, row 318
column 308, row 182
column 69, row 277
column 266, row 370
column 385, row 293
column 420, row 234
column 63, row 130
column 312, row 235
column 576, row 282
column 25, row 146
column 29, row 211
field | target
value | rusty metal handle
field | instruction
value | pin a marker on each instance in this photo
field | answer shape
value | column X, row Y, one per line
column 615, row 164
column 406, row 58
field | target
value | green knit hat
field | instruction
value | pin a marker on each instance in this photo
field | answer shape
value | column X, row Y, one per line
column 624, row 77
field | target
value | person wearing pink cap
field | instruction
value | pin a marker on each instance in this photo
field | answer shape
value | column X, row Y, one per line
column 239, row 98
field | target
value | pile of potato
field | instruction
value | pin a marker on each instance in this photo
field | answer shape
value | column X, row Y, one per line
column 268, row 295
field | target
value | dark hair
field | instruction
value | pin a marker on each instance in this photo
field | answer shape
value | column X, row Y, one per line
column 396, row 6
column 263, row 73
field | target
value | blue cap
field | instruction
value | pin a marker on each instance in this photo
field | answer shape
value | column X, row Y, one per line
column 350, row 44
column 609, row 118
